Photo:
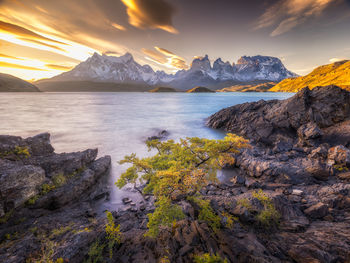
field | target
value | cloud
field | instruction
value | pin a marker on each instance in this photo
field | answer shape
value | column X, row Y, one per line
column 7, row 56
column 151, row 14
column 58, row 67
column 111, row 53
column 288, row 14
column 166, row 58
column 18, row 66
column 23, row 32
column 41, row 43
column 119, row 27
column 160, row 58
column 332, row 60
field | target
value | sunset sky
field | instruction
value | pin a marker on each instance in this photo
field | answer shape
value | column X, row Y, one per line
column 42, row 38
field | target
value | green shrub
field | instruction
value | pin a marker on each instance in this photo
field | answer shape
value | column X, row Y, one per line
column 96, row 252
column 209, row 258
column 269, row 216
column 206, row 213
column 244, row 202
column 113, row 233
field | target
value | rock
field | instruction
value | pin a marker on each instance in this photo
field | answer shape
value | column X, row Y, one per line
column 126, row 200
column 318, row 210
column 309, row 131
column 344, row 176
column 19, row 183
column 266, row 121
column 297, row 192
column 319, row 171
column 320, row 152
column 162, row 135
column 339, row 155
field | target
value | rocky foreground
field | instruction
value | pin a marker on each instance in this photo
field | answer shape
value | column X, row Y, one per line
column 46, row 200
column 299, row 159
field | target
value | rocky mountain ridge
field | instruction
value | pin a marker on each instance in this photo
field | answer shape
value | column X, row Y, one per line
column 124, row 69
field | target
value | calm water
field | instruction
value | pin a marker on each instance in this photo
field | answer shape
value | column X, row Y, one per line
column 116, row 123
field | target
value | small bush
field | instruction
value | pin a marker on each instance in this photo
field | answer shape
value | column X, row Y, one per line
column 244, row 202
column 206, row 213
column 21, row 151
column 269, row 216
column 209, row 258
column 96, row 252
column 113, row 233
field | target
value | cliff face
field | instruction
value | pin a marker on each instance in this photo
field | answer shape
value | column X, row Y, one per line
column 337, row 73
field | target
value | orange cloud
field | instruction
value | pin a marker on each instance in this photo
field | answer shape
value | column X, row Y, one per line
column 155, row 56
column 23, row 32
column 41, row 43
column 166, row 58
column 150, row 14
column 119, row 27
column 12, row 65
column 7, row 56
column 58, row 67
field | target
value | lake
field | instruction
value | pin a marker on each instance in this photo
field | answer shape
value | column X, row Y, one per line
column 115, row 123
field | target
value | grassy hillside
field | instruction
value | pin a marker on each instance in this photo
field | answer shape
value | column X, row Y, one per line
column 337, row 73
column 249, row 87
column 89, row 86
column 10, row 83
column 163, row 89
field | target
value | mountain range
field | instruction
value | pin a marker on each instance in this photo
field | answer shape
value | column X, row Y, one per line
column 125, row 70
column 337, row 73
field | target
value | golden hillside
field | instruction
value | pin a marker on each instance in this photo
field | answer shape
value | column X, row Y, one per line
column 337, row 73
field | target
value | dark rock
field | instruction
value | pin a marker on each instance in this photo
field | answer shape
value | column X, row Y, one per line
column 265, row 121
column 162, row 135
column 318, row 210
column 18, row 183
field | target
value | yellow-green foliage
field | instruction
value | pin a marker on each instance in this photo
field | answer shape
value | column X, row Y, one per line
column 230, row 219
column 59, row 180
column 46, row 188
column 178, row 170
column 22, row 151
column 32, row 200
column 206, row 213
column 18, row 151
column 209, row 258
column 60, row 231
column 269, row 216
column 113, row 233
column 341, row 167
column 245, row 203
column 96, row 252
column 166, row 214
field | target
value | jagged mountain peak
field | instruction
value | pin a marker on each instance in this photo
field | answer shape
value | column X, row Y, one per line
column 124, row 69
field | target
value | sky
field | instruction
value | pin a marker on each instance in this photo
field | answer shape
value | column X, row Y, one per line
column 43, row 38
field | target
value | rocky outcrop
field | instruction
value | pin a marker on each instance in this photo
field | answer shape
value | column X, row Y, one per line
column 46, row 200
column 267, row 121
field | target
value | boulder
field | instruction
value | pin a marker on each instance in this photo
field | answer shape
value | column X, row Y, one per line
column 18, row 183
column 318, row 210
